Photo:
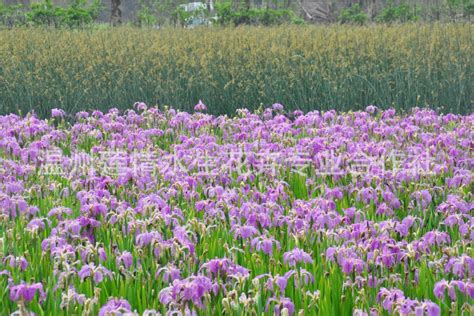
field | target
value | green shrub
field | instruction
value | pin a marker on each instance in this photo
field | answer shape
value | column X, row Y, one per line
column 42, row 13
column 400, row 13
column 353, row 15
column 185, row 18
column 145, row 17
column 12, row 15
column 79, row 13
column 462, row 7
column 224, row 13
column 254, row 16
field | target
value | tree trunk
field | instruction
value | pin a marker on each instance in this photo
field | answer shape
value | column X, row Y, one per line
column 372, row 9
column 13, row 2
column 235, row 4
column 116, row 13
column 247, row 4
column 271, row 4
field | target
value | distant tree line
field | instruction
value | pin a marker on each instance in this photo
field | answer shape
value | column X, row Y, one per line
column 79, row 13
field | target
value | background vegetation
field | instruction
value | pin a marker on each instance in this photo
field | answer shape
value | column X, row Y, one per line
column 159, row 13
column 302, row 67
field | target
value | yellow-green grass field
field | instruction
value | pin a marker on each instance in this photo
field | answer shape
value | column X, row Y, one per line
column 304, row 67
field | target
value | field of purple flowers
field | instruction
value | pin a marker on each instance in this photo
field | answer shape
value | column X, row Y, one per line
column 157, row 212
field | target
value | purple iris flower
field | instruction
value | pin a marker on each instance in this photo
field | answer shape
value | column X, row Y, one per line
column 371, row 109
column 57, row 113
column 170, row 273
column 277, row 107
column 283, row 305
column 126, row 259
column 140, row 106
column 96, row 272
column 200, row 107
column 244, row 232
column 15, row 262
column 192, row 289
column 224, row 268
column 464, row 287
column 115, row 306
column 295, row 256
column 265, row 244
column 27, row 292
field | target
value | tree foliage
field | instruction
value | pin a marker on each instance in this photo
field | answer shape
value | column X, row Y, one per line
column 45, row 13
column 354, row 14
column 80, row 13
column 228, row 15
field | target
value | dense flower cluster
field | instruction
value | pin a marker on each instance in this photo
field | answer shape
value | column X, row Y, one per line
column 165, row 212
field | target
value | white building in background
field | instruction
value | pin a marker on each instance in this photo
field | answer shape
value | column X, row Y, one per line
column 194, row 6
column 198, row 19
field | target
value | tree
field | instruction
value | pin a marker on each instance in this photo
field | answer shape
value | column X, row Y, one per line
column 247, row 4
column 372, row 9
column 116, row 13
column 209, row 5
column 235, row 4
